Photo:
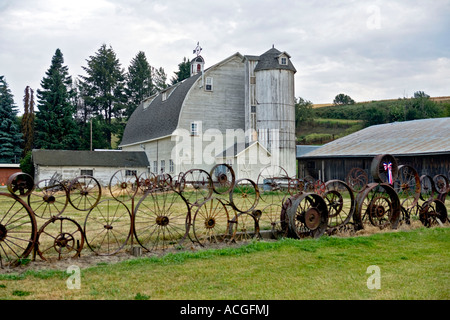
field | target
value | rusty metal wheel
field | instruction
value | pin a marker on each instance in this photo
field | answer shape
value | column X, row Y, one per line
column 433, row 213
column 84, row 193
column 123, row 185
column 212, row 223
column 60, row 238
column 427, row 188
column 377, row 204
column 147, row 181
column 441, row 183
column 319, row 187
column 247, row 228
column 48, row 199
column 222, row 178
column 18, row 230
column 357, row 179
column 296, row 186
column 407, row 186
column 107, row 227
column 196, row 186
column 307, row 214
column 273, row 184
column 161, row 220
column 245, row 195
column 273, row 220
column 384, row 168
column 340, row 201
column 20, row 184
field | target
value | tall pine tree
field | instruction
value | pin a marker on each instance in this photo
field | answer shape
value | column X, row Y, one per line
column 104, row 87
column 139, row 82
column 184, row 71
column 55, row 126
column 10, row 136
column 27, row 124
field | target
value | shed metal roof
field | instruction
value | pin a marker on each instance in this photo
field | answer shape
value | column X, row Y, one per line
column 417, row 137
column 90, row 158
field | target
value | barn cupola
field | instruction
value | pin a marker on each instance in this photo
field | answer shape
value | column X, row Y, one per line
column 197, row 64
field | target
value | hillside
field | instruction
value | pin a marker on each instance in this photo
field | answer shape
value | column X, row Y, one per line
column 329, row 122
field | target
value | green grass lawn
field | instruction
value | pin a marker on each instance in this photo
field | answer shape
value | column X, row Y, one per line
column 413, row 265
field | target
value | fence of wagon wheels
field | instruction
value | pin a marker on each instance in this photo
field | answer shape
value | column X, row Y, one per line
column 157, row 212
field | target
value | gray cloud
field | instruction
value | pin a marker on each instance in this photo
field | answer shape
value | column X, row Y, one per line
column 369, row 50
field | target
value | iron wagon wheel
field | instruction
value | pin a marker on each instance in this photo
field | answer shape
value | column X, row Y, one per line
column 295, row 186
column 441, row 183
column 84, row 193
column 380, row 211
column 432, row 213
column 407, row 186
column 340, row 202
column 212, row 224
column 384, row 168
column 161, row 220
column 20, row 184
column 18, row 230
column 107, row 227
column 272, row 219
column 387, row 200
column 357, row 179
column 309, row 184
column 196, row 186
column 319, row 187
column 307, row 214
column 222, row 178
column 49, row 198
column 245, row 195
column 60, row 238
column 247, row 226
column 273, row 184
column 147, row 181
column 427, row 188
column 123, row 185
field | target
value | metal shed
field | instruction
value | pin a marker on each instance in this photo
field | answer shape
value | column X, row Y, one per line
column 423, row 144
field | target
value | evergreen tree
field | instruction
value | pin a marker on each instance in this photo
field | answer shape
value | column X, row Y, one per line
column 139, row 82
column 104, row 87
column 184, row 71
column 55, row 126
column 27, row 123
column 159, row 78
column 10, row 136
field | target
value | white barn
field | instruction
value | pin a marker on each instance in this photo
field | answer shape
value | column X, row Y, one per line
column 240, row 111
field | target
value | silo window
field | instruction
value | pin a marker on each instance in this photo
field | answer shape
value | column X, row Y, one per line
column 283, row 61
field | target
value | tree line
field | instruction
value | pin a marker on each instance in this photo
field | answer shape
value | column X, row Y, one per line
column 420, row 106
column 82, row 113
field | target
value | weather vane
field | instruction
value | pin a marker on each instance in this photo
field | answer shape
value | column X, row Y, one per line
column 198, row 49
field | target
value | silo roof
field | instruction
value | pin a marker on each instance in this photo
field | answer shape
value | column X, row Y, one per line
column 417, row 137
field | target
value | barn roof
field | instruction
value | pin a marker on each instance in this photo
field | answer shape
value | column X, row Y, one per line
column 155, row 118
column 417, row 137
column 107, row 158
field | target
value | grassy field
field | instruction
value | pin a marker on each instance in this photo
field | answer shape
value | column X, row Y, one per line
column 413, row 265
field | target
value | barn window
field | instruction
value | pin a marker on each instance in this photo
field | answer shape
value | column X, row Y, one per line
column 163, row 165
column 171, row 168
column 130, row 173
column 155, row 166
column 283, row 61
column 209, row 84
column 86, row 172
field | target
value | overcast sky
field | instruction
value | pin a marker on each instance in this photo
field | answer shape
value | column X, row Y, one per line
column 370, row 50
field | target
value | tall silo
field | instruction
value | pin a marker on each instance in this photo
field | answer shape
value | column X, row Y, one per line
column 275, row 107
